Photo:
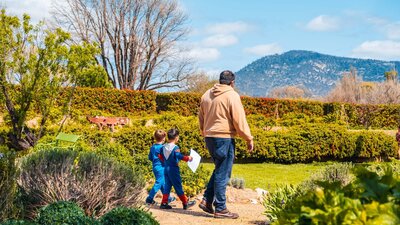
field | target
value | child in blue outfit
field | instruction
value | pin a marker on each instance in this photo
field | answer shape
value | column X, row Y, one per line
column 171, row 156
column 158, row 167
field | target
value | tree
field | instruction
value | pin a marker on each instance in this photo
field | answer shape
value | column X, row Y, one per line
column 349, row 88
column 84, row 68
column 199, row 83
column 35, row 65
column 138, row 39
column 290, row 92
column 391, row 75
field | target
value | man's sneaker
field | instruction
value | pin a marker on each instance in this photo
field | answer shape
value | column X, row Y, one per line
column 165, row 206
column 189, row 204
column 226, row 214
column 206, row 207
column 171, row 199
column 150, row 201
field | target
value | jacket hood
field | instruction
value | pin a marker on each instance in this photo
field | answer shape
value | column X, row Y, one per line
column 167, row 149
column 219, row 89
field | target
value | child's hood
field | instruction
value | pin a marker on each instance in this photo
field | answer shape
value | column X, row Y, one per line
column 167, row 149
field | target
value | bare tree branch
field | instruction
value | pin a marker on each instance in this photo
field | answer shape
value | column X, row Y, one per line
column 138, row 39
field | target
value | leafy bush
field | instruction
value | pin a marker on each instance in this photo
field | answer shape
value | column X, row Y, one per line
column 95, row 183
column 186, row 104
column 8, row 185
column 370, row 199
column 18, row 222
column 63, row 213
column 305, row 142
column 365, row 116
column 276, row 201
column 128, row 216
column 194, row 183
column 117, row 102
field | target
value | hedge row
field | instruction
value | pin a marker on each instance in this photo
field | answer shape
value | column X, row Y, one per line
column 299, row 143
column 123, row 102
column 356, row 115
column 113, row 101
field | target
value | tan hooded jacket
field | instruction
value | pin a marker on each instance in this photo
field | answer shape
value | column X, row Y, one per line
column 222, row 114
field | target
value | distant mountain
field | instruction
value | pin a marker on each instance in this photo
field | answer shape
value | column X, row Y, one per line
column 315, row 71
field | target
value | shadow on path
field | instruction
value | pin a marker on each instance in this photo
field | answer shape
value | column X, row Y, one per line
column 186, row 212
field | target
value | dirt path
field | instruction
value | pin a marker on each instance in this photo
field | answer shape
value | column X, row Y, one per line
column 239, row 201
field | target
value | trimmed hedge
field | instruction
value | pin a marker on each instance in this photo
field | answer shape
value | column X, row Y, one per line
column 356, row 115
column 303, row 142
column 186, row 104
column 114, row 101
column 91, row 101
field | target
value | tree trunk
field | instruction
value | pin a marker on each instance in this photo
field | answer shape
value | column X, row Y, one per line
column 23, row 143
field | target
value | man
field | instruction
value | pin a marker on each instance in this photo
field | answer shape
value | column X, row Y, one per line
column 221, row 118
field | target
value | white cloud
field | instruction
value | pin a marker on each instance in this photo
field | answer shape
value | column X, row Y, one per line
column 37, row 9
column 393, row 31
column 228, row 28
column 385, row 50
column 220, row 40
column 323, row 23
column 203, row 54
column 266, row 49
column 376, row 21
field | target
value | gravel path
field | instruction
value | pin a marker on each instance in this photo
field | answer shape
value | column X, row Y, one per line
column 238, row 201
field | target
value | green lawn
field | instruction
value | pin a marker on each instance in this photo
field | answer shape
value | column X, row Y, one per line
column 267, row 175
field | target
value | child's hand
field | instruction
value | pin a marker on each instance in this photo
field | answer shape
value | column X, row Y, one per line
column 190, row 158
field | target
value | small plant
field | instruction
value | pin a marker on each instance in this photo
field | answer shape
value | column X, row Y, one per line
column 18, row 222
column 337, row 172
column 194, row 183
column 128, row 216
column 8, row 184
column 63, row 213
column 97, row 184
column 237, row 183
column 276, row 201
column 370, row 198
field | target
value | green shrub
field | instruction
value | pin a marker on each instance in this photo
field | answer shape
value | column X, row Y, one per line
column 117, row 102
column 276, row 201
column 371, row 198
column 375, row 145
column 237, row 182
column 357, row 116
column 18, row 222
column 194, row 183
column 336, row 173
column 63, row 213
column 128, row 216
column 186, row 104
column 8, row 184
column 96, row 183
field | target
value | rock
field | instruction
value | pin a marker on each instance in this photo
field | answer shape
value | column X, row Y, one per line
column 149, row 123
column 260, row 193
column 33, row 123
column 253, row 201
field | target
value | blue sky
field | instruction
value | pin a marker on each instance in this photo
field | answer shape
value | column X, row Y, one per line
column 229, row 34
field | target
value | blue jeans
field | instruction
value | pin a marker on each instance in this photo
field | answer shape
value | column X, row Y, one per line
column 222, row 151
column 173, row 179
column 160, row 182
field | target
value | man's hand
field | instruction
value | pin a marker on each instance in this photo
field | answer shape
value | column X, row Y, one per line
column 250, row 146
column 190, row 158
